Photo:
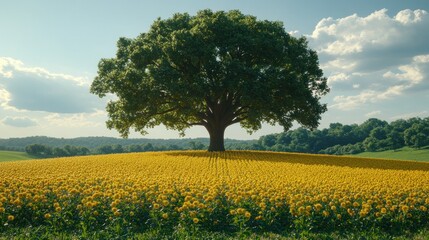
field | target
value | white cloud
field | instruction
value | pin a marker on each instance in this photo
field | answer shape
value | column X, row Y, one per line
column 371, row 43
column 37, row 89
column 337, row 77
column 409, row 73
column 351, row 102
column 407, row 16
column 4, row 97
column 20, row 122
column 373, row 113
column 421, row 114
column 382, row 56
column 348, row 35
column 10, row 65
column 75, row 120
column 421, row 59
column 371, row 35
column 339, row 64
column 295, row 33
column 391, row 92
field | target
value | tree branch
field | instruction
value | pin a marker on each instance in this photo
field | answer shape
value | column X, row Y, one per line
column 202, row 123
column 166, row 111
column 236, row 120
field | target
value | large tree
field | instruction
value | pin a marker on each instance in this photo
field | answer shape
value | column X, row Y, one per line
column 213, row 70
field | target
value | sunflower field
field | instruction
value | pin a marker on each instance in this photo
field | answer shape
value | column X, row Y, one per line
column 231, row 191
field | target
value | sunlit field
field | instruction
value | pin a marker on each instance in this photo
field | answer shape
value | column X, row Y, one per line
column 234, row 191
column 401, row 154
column 13, row 156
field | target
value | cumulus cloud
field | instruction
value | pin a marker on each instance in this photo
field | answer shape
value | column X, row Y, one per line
column 373, row 58
column 75, row 120
column 37, row 89
column 351, row 102
column 295, row 33
column 337, row 77
column 405, row 78
column 4, row 98
column 372, row 35
column 20, row 122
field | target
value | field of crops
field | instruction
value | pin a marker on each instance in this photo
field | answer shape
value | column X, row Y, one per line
column 230, row 191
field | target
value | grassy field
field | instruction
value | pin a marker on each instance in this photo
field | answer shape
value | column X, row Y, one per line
column 197, row 194
column 13, row 156
column 400, row 154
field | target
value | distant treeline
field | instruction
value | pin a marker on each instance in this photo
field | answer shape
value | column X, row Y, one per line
column 67, row 151
column 371, row 136
column 93, row 143
column 46, row 151
column 5, row 148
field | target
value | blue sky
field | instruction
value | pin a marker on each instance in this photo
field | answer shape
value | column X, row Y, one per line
column 374, row 54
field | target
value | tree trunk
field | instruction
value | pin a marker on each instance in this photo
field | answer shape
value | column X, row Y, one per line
column 216, row 139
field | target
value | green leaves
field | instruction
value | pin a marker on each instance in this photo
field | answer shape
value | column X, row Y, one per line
column 213, row 69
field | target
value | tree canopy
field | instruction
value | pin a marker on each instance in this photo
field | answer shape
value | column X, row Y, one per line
column 214, row 69
column 373, row 135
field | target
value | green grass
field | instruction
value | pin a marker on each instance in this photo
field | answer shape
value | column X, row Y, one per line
column 13, row 156
column 405, row 153
column 42, row 232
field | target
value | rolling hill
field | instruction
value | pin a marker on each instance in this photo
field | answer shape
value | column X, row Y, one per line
column 405, row 153
column 13, row 156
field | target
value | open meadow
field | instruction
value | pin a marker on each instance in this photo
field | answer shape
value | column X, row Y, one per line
column 13, row 156
column 405, row 153
column 234, row 193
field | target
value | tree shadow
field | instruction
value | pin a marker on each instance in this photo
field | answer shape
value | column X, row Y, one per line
column 307, row 159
